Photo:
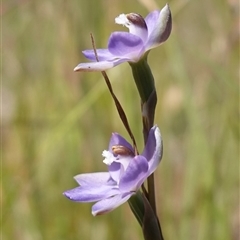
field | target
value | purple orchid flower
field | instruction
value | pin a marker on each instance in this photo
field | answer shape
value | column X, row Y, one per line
column 144, row 34
column 126, row 173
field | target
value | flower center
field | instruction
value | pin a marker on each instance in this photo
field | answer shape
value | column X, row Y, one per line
column 122, row 150
column 108, row 157
column 137, row 20
column 135, row 23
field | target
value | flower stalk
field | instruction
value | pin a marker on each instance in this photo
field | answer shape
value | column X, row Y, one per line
column 143, row 78
column 127, row 169
column 145, row 84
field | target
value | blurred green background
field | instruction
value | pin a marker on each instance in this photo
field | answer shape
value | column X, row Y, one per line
column 56, row 123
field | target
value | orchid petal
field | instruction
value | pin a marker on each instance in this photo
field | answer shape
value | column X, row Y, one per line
column 98, row 66
column 91, row 193
column 160, row 27
column 98, row 178
column 151, row 20
column 134, row 175
column 102, row 54
column 107, row 205
column 153, row 149
column 127, row 45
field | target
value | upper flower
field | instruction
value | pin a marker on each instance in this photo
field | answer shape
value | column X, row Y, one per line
column 144, row 34
column 126, row 173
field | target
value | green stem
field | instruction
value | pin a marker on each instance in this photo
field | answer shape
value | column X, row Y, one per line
column 145, row 84
column 143, row 78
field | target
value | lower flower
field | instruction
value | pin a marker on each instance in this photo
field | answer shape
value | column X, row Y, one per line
column 126, row 173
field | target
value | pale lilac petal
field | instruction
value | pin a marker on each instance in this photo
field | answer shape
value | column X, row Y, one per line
column 91, row 193
column 103, row 54
column 134, row 175
column 98, row 66
column 107, row 205
column 151, row 20
column 153, row 149
column 124, row 44
column 98, row 178
column 160, row 28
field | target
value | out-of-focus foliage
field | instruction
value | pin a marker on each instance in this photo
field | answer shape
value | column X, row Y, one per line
column 55, row 123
